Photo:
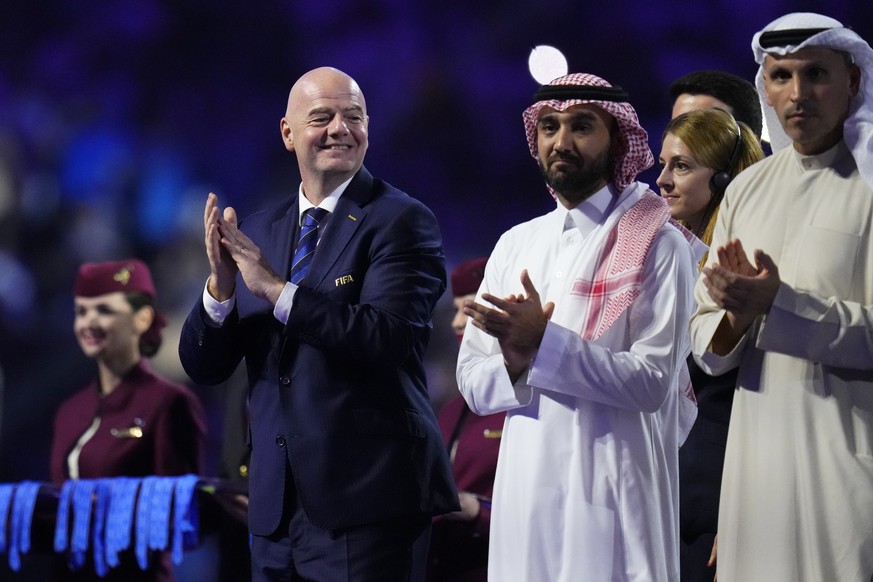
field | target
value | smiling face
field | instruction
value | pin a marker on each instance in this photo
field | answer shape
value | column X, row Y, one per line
column 326, row 126
column 573, row 150
column 684, row 182
column 810, row 91
column 107, row 328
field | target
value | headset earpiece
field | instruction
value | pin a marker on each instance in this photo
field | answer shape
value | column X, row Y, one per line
column 720, row 180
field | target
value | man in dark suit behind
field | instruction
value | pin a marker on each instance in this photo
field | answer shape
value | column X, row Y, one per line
column 347, row 461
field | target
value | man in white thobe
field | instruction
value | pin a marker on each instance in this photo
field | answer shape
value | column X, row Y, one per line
column 797, row 491
column 579, row 333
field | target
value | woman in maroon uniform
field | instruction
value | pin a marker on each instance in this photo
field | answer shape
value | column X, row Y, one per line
column 459, row 540
column 128, row 421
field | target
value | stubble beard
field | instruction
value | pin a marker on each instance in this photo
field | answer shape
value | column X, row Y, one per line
column 579, row 184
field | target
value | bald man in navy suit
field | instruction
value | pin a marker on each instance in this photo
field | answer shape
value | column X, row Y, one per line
column 347, row 461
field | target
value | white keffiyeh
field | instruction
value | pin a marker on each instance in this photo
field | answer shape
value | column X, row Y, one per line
column 858, row 127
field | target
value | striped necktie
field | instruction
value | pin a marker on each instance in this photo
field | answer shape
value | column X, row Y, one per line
column 306, row 243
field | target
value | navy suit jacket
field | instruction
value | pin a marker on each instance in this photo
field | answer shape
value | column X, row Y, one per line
column 339, row 392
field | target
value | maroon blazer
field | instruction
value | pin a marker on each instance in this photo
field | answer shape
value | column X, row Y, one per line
column 148, row 426
column 169, row 419
column 459, row 550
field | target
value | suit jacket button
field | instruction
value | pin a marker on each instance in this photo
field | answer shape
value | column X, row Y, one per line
column 285, row 380
column 280, row 441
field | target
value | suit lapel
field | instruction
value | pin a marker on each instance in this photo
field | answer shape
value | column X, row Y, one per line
column 347, row 218
column 281, row 240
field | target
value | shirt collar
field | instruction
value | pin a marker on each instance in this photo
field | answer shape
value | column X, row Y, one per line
column 826, row 159
column 591, row 211
column 328, row 203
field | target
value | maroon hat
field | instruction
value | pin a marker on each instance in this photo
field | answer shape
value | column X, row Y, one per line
column 467, row 276
column 101, row 278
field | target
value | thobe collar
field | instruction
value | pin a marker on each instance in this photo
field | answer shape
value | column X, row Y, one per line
column 591, row 212
column 827, row 159
column 329, row 203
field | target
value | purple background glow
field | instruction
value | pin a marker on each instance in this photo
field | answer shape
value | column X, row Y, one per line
column 118, row 116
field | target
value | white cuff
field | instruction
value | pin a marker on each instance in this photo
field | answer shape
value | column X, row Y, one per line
column 284, row 303
column 215, row 309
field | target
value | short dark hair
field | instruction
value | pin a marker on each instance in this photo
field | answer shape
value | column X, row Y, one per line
column 735, row 91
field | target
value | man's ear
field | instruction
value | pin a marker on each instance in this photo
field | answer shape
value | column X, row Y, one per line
column 287, row 137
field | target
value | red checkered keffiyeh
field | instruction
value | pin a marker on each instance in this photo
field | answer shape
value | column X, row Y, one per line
column 619, row 265
column 618, row 276
column 618, row 273
column 632, row 157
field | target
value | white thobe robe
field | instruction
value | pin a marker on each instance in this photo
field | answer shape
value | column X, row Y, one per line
column 586, row 485
column 797, row 491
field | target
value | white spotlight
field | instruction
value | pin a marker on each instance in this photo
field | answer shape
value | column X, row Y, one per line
column 546, row 63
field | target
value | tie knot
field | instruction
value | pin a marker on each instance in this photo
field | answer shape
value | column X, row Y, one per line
column 312, row 216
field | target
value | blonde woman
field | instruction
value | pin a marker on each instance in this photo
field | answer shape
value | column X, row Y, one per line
column 701, row 153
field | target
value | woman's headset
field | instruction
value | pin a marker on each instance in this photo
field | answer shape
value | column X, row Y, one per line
column 720, row 180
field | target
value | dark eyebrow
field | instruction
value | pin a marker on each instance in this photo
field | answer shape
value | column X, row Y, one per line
column 812, row 64
column 587, row 115
column 574, row 115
